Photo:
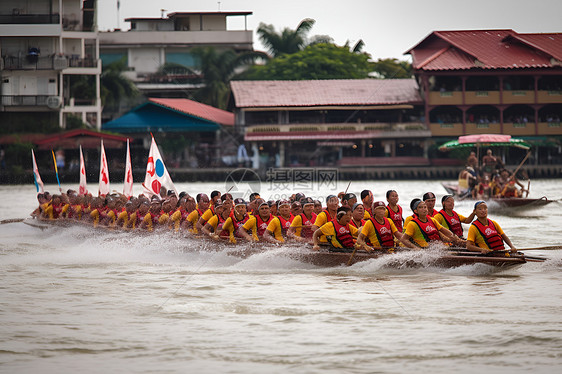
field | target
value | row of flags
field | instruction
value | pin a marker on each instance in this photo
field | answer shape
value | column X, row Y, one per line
column 156, row 176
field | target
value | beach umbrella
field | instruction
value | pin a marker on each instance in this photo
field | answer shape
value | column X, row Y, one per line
column 484, row 140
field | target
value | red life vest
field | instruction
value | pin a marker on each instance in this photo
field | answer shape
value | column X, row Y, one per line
column 306, row 232
column 221, row 222
column 454, row 222
column 490, row 234
column 352, row 222
column 184, row 214
column 57, row 209
column 428, row 229
column 237, row 223
column 285, row 224
column 432, row 213
column 383, row 232
column 343, row 234
column 396, row 217
column 261, row 225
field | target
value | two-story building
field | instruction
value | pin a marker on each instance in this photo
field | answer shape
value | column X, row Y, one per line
column 491, row 81
column 152, row 42
column 348, row 122
column 48, row 48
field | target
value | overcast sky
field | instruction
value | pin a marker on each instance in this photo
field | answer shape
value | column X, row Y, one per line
column 388, row 28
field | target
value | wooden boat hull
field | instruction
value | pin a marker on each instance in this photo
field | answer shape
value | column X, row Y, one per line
column 509, row 202
column 328, row 258
column 331, row 258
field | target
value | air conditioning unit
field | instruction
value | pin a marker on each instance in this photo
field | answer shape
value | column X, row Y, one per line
column 54, row 102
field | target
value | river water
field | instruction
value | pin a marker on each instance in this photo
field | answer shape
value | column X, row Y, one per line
column 79, row 300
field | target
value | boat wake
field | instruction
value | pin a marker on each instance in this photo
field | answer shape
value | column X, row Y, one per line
column 82, row 246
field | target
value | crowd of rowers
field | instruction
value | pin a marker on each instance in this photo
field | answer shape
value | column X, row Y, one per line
column 345, row 222
column 491, row 180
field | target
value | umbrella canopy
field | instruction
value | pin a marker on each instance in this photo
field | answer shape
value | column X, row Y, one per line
column 486, row 140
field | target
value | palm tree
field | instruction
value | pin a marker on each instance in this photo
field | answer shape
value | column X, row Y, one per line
column 288, row 41
column 115, row 86
column 218, row 68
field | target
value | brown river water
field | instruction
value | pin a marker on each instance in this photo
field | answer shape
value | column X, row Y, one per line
column 82, row 300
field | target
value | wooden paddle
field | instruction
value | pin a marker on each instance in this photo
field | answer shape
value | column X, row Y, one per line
column 11, row 220
column 547, row 248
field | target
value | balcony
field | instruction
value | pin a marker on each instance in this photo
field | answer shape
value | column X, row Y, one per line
column 49, row 101
column 29, row 19
column 55, row 62
column 445, row 98
column 446, row 129
column 550, row 97
column 519, row 97
column 338, row 131
column 238, row 38
column 482, row 97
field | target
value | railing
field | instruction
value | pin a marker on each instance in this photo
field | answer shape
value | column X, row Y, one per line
column 23, row 19
column 47, row 62
column 25, row 100
column 350, row 127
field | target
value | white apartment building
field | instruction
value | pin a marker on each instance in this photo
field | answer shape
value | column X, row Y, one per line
column 152, row 42
column 46, row 47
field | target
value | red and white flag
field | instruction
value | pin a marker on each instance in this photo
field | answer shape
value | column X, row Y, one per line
column 128, row 185
column 104, row 174
column 156, row 173
column 83, row 189
column 38, row 182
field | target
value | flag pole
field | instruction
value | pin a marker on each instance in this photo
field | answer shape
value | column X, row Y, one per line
column 56, row 169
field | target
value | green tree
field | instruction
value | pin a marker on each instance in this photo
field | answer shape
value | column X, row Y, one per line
column 115, row 86
column 318, row 61
column 218, row 67
column 287, row 41
column 392, row 68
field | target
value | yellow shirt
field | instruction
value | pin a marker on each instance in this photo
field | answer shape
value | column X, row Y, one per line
column 439, row 217
column 251, row 224
column 321, row 220
column 477, row 238
column 274, row 227
column 406, row 221
column 208, row 214
column 370, row 232
column 193, row 217
column 328, row 229
column 413, row 231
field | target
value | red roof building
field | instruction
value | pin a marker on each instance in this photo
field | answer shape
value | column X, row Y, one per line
column 331, row 122
column 490, row 81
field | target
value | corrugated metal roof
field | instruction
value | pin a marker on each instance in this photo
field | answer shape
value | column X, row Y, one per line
column 311, row 93
column 486, row 49
column 197, row 109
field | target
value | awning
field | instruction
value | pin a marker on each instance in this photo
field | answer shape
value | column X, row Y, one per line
column 484, row 140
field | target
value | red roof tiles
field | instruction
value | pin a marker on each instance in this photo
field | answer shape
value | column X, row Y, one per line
column 311, row 93
column 197, row 109
column 486, row 49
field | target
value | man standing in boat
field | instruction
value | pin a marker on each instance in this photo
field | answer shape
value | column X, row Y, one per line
column 450, row 219
column 485, row 235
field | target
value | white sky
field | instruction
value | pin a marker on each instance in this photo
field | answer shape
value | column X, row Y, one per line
column 388, row 28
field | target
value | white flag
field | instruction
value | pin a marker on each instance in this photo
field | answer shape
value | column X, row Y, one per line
column 128, row 185
column 83, row 189
column 156, row 173
column 104, row 174
column 36, row 176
